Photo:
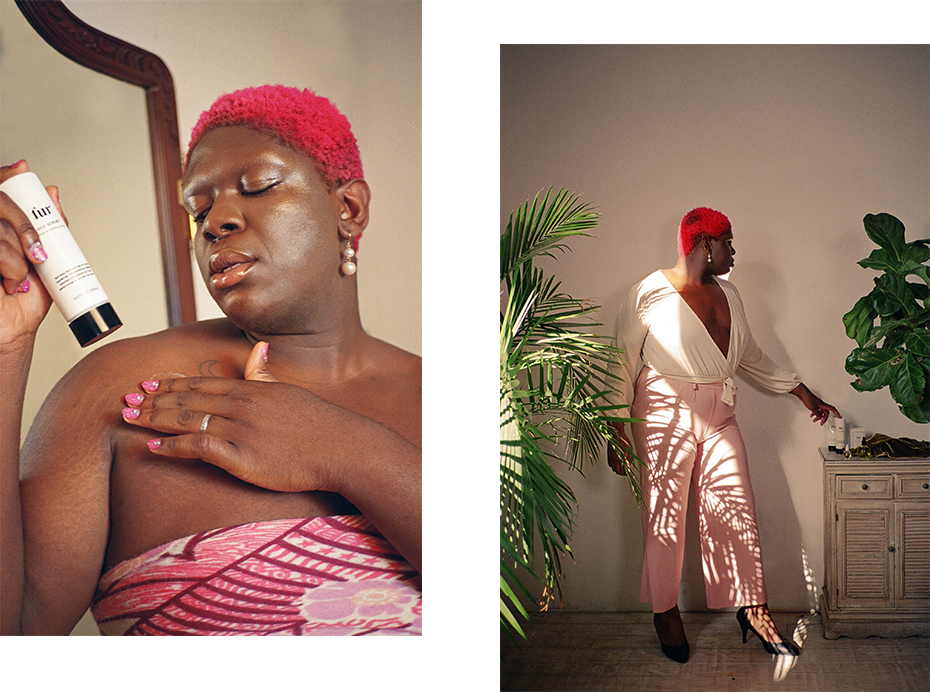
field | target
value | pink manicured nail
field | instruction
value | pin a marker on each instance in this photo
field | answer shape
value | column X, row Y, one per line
column 135, row 399
column 24, row 286
column 38, row 252
column 131, row 413
column 154, row 444
column 150, row 386
column 265, row 353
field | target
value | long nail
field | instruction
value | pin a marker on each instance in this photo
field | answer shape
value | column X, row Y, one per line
column 131, row 413
column 150, row 386
column 265, row 352
column 38, row 252
column 135, row 399
column 153, row 444
column 24, row 286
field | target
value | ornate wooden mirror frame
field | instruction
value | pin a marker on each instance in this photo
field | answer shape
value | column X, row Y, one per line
column 111, row 56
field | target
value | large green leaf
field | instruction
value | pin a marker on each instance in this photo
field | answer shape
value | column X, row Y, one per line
column 918, row 342
column 893, row 297
column 919, row 413
column 904, row 261
column 908, row 387
column 859, row 320
column 887, row 232
column 874, row 367
column 920, row 270
column 892, row 331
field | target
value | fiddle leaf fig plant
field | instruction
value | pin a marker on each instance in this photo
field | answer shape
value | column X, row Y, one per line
column 890, row 323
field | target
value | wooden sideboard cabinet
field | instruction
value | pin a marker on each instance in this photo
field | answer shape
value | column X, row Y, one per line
column 876, row 547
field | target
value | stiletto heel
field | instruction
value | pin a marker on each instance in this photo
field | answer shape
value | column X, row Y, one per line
column 785, row 647
column 743, row 622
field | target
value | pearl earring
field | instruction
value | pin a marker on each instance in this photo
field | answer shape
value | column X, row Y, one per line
column 710, row 258
column 348, row 254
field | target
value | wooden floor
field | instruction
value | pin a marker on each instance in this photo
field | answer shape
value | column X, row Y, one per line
column 620, row 651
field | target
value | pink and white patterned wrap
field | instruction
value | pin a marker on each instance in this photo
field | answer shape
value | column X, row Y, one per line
column 321, row 576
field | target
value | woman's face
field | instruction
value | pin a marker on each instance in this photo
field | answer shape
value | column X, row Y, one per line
column 722, row 252
column 267, row 240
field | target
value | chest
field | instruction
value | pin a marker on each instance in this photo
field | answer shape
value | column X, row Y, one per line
column 709, row 304
column 155, row 499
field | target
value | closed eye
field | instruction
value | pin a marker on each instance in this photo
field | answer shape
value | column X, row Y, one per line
column 265, row 188
column 199, row 217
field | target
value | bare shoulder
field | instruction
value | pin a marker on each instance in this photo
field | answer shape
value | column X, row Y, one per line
column 185, row 350
column 397, row 363
column 88, row 397
column 392, row 390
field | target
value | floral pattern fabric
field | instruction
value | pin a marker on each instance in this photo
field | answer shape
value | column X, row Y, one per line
column 321, row 576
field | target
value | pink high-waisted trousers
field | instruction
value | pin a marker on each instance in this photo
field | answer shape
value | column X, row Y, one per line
column 691, row 436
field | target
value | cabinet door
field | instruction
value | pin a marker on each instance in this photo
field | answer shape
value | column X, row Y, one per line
column 912, row 552
column 865, row 561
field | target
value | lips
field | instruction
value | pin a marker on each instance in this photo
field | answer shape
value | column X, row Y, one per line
column 229, row 267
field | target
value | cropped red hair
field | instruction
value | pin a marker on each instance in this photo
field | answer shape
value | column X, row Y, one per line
column 299, row 118
column 697, row 223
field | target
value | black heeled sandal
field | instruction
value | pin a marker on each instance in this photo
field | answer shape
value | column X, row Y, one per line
column 785, row 647
column 679, row 653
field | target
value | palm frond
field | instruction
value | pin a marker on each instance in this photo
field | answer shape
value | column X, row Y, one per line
column 555, row 381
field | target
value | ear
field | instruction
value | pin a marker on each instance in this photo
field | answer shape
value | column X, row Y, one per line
column 354, row 198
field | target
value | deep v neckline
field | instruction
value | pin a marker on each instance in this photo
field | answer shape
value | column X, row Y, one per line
column 726, row 356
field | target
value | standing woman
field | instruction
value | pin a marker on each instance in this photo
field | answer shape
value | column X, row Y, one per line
column 687, row 329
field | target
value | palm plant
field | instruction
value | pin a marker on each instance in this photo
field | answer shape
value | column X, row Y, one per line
column 554, row 385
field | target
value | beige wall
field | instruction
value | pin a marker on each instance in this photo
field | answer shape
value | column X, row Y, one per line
column 795, row 144
column 87, row 134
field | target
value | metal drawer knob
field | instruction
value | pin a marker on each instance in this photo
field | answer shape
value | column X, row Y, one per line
column 926, row 485
column 865, row 487
column 890, row 548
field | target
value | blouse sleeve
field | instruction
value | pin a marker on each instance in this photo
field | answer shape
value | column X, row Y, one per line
column 765, row 371
column 630, row 333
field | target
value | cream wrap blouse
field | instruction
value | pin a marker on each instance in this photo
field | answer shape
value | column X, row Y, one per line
column 657, row 328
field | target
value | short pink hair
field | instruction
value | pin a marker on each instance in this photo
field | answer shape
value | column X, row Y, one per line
column 697, row 223
column 299, row 118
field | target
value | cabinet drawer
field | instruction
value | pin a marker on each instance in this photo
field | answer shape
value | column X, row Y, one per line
column 914, row 486
column 864, row 486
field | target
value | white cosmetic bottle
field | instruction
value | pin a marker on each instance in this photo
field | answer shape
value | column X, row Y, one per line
column 66, row 274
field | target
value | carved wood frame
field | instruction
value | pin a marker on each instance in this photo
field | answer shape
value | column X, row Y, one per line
column 111, row 56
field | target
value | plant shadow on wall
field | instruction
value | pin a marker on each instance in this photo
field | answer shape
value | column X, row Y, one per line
column 555, row 380
column 902, row 361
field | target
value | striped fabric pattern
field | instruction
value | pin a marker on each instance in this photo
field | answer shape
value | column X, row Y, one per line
column 321, row 576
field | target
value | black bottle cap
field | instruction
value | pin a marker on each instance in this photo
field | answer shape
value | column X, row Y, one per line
column 95, row 324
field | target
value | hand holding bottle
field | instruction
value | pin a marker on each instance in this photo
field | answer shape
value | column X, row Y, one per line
column 24, row 302
column 60, row 264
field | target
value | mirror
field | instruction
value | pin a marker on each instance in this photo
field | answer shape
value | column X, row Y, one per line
column 87, row 133
column 111, row 56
